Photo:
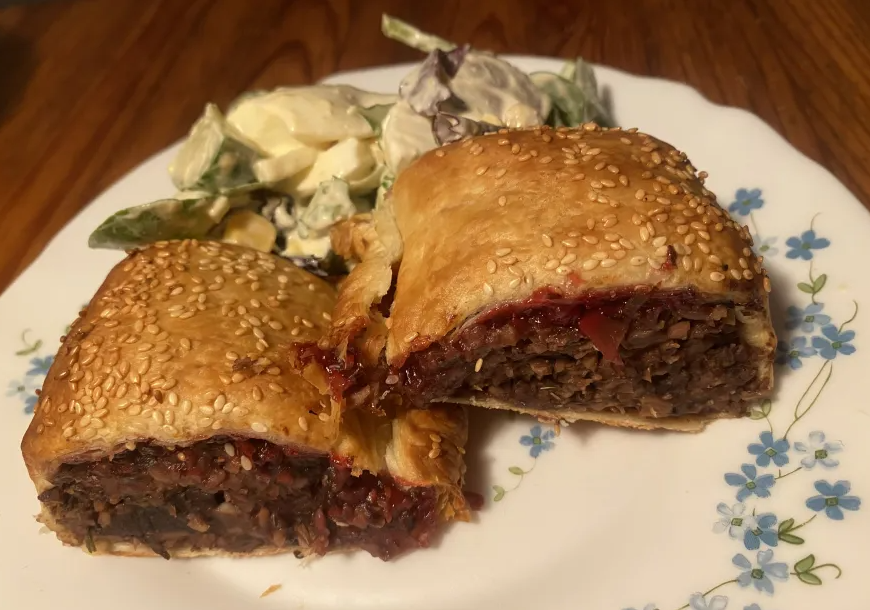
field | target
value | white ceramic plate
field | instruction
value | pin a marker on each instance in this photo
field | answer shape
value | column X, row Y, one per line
column 593, row 519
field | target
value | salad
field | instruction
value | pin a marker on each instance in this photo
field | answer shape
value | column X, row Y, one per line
column 279, row 168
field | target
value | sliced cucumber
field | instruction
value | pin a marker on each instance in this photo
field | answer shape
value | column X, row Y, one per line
column 215, row 157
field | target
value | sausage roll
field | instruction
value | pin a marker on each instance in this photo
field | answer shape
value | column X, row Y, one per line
column 572, row 274
column 170, row 423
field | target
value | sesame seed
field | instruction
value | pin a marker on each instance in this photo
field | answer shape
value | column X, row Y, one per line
column 644, row 234
column 610, row 262
column 515, row 148
column 589, row 239
column 246, row 462
column 655, row 263
column 514, row 283
column 502, row 200
column 478, row 365
column 487, row 289
column 687, row 263
column 435, row 453
column 502, row 251
column 589, row 265
column 747, row 274
column 568, row 259
column 258, row 427
column 736, row 274
column 703, row 247
column 323, row 417
column 548, row 241
column 276, row 388
column 716, row 276
column 766, row 283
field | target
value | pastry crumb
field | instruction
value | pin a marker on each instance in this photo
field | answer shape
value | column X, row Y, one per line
column 270, row 590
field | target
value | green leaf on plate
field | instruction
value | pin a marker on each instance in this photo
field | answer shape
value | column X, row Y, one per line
column 756, row 414
column 790, row 538
column 819, row 282
column 516, row 470
column 805, row 564
column 804, row 287
column 809, row 578
column 785, row 526
column 499, row 493
column 30, row 349
column 765, row 406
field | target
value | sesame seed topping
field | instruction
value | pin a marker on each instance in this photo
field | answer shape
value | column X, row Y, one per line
column 481, row 170
column 246, row 462
column 502, row 251
column 589, row 239
column 258, row 427
column 478, row 365
column 487, row 289
column 608, row 263
column 514, row 282
column 548, row 241
column 716, row 276
column 502, row 200
column 589, row 265
column 568, row 259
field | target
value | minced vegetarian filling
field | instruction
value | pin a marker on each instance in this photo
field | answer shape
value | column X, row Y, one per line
column 238, row 496
column 664, row 357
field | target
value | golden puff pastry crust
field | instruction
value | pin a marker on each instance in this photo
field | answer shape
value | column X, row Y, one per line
column 497, row 217
column 577, row 213
column 189, row 340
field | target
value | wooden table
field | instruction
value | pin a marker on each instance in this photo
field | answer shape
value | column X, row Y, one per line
column 89, row 88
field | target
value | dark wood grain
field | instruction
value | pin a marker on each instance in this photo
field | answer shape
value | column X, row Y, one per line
column 90, row 88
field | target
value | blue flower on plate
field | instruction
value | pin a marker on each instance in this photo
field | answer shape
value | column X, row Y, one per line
column 808, row 318
column 769, row 450
column 647, row 607
column 717, row 602
column 761, row 528
column 833, row 499
column 750, row 483
column 792, row 353
column 30, row 404
column 761, row 574
column 21, row 387
column 733, row 520
column 819, row 451
column 538, row 440
column 40, row 366
column 802, row 247
column 26, row 390
column 746, row 201
column 752, row 607
column 765, row 247
column 834, row 342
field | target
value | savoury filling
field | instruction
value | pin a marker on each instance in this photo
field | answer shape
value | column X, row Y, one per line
column 238, row 496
